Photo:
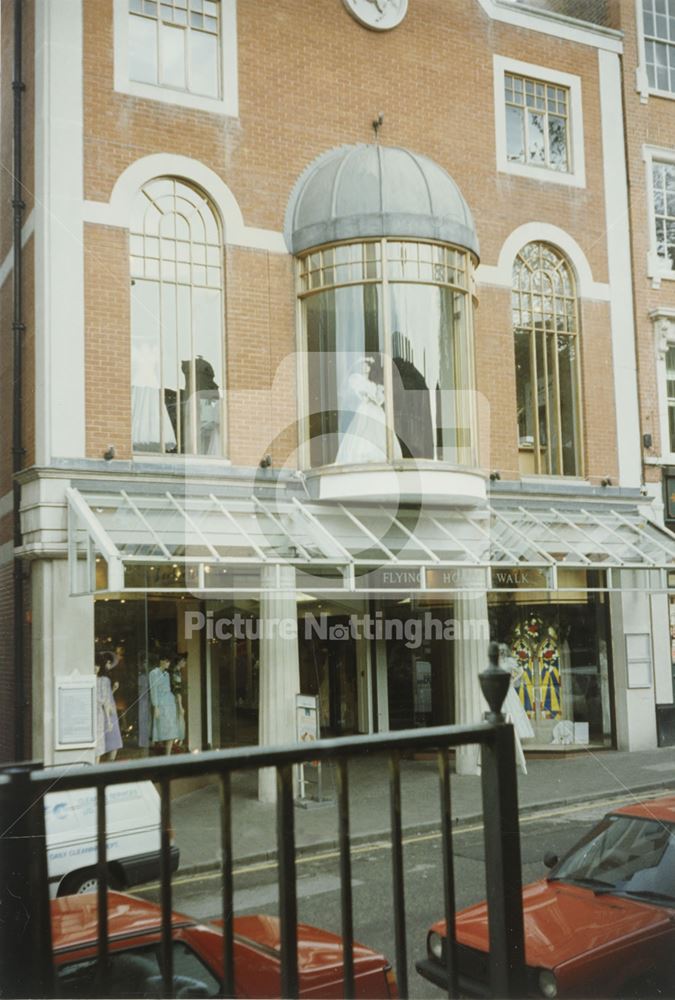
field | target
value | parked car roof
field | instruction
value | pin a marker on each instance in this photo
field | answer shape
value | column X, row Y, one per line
column 75, row 918
column 662, row 808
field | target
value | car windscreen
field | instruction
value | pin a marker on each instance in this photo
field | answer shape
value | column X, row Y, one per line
column 136, row 974
column 625, row 854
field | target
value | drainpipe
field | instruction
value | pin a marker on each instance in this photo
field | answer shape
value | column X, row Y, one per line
column 18, row 328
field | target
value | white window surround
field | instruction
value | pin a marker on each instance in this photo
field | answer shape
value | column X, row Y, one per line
column 641, row 78
column 664, row 337
column 657, row 268
column 576, row 177
column 117, row 211
column 227, row 104
column 501, row 274
column 548, row 23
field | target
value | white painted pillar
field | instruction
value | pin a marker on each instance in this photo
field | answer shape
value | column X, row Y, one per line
column 63, row 641
column 470, row 649
column 635, row 708
column 279, row 667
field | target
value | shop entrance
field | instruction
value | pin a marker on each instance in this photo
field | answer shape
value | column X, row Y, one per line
column 232, row 669
column 420, row 688
column 328, row 667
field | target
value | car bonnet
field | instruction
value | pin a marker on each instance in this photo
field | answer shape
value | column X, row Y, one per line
column 563, row 921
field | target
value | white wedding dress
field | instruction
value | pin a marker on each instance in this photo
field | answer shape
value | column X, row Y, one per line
column 365, row 439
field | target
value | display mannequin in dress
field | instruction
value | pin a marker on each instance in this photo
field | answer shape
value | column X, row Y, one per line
column 512, row 708
column 365, row 437
column 108, row 736
column 165, row 726
column 177, row 681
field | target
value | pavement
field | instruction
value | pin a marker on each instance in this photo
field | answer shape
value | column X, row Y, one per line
column 589, row 776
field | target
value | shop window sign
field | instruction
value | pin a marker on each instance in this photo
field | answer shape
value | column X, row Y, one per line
column 520, row 577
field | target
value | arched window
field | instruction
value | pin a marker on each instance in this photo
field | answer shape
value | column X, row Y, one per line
column 546, row 333
column 177, row 366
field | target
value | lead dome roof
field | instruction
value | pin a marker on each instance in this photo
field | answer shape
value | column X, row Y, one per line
column 368, row 190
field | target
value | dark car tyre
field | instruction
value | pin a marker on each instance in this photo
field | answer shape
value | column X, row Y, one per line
column 85, row 880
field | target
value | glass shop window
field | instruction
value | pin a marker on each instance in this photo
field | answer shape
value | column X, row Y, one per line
column 560, row 654
column 142, row 678
column 389, row 344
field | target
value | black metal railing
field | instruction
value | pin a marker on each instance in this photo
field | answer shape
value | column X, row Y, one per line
column 26, row 964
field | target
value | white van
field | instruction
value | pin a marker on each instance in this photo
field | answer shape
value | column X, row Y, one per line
column 132, row 821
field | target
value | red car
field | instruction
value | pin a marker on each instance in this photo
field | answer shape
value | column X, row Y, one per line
column 602, row 924
column 134, row 927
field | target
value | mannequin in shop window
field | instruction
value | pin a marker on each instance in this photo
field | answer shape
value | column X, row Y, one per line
column 177, row 678
column 513, row 708
column 362, row 405
column 108, row 736
column 200, row 381
column 165, row 717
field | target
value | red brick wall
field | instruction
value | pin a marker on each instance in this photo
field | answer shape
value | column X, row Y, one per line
column 311, row 78
column 651, row 123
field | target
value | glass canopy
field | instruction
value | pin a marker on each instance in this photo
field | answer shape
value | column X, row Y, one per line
column 132, row 541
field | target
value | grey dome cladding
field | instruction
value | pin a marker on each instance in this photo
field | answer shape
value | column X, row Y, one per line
column 356, row 192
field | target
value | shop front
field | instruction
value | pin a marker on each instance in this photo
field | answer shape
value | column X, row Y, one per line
column 382, row 615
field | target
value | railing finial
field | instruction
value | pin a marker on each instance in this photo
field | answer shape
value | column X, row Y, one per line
column 494, row 682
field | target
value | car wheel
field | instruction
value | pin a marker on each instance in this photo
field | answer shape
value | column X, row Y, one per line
column 84, row 881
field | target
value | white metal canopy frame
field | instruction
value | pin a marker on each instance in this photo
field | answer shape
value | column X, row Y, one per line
column 173, row 542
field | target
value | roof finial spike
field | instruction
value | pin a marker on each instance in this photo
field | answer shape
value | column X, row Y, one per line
column 377, row 125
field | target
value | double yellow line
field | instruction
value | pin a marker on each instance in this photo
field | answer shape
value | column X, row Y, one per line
column 385, row 845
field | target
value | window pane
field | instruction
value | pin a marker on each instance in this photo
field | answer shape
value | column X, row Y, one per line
column 172, row 48
column 543, row 388
column 345, row 376
column 524, row 390
column 150, row 422
column 204, row 64
column 430, row 369
column 185, row 353
column 515, row 139
column 557, row 142
column 169, row 351
column 535, row 138
column 207, row 326
column 142, row 49
column 567, row 362
column 553, row 396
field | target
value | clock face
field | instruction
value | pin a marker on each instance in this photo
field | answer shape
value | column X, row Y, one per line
column 381, row 15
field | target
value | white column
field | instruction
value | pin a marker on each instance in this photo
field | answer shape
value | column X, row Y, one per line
column 617, row 217
column 279, row 668
column 470, row 649
column 59, row 232
column 63, row 641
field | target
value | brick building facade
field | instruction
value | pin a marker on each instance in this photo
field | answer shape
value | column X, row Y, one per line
column 253, row 96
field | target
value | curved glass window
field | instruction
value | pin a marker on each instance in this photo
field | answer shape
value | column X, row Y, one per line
column 176, row 322
column 390, row 368
column 546, row 332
